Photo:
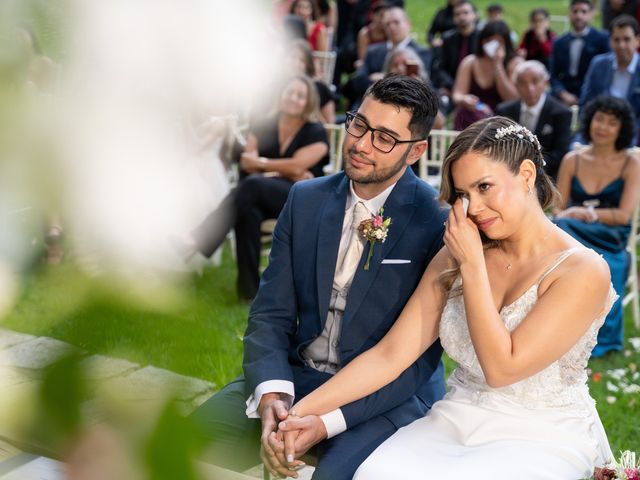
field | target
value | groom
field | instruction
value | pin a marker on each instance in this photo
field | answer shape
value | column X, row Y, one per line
column 320, row 305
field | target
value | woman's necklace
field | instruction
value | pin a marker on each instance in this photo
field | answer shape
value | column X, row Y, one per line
column 509, row 265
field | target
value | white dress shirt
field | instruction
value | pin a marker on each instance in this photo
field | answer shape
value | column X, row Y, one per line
column 334, row 421
column 534, row 112
column 622, row 78
column 575, row 50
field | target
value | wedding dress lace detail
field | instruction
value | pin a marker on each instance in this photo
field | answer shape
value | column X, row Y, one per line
column 561, row 384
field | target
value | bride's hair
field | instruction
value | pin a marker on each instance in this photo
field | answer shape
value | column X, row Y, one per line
column 502, row 140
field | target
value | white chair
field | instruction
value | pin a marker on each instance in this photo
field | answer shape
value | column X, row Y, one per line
column 335, row 133
column 430, row 164
column 632, row 295
column 575, row 117
column 562, row 22
column 325, row 63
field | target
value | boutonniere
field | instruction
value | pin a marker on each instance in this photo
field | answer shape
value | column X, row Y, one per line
column 374, row 230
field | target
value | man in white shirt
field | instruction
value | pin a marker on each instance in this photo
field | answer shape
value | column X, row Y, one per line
column 329, row 294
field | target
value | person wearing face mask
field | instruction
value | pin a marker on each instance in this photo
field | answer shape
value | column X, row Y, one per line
column 280, row 150
column 617, row 73
column 484, row 79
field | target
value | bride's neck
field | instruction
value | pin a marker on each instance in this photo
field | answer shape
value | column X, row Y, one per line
column 531, row 238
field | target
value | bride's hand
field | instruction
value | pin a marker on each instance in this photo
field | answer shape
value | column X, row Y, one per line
column 461, row 236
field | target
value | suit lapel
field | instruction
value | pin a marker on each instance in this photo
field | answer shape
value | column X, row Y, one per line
column 399, row 206
column 330, row 230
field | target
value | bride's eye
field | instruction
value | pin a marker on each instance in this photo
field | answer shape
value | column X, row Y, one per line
column 484, row 187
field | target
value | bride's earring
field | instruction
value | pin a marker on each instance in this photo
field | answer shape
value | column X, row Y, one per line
column 529, row 191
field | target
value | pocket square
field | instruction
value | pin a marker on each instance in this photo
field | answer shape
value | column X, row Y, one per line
column 395, row 261
column 547, row 129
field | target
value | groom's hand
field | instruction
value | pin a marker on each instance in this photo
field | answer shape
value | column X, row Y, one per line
column 300, row 434
column 272, row 410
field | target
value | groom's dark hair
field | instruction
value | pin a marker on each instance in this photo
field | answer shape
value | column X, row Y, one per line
column 412, row 94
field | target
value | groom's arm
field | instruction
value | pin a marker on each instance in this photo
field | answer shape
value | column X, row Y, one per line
column 272, row 321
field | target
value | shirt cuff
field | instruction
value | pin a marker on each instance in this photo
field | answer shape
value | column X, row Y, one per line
column 334, row 422
column 270, row 386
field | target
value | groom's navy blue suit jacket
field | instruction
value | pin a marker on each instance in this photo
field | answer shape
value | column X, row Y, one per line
column 291, row 306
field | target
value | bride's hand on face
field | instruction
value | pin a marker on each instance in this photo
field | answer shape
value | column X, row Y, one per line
column 462, row 238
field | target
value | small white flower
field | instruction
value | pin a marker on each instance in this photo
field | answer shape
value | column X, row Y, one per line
column 611, row 400
column 633, row 388
column 617, row 373
column 635, row 343
column 612, row 387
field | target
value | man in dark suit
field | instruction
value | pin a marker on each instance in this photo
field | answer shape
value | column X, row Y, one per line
column 548, row 118
column 573, row 51
column 328, row 295
column 456, row 44
column 397, row 28
column 617, row 73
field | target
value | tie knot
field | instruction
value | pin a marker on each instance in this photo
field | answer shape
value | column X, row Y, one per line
column 360, row 213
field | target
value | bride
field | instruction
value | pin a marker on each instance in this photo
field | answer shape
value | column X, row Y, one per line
column 517, row 303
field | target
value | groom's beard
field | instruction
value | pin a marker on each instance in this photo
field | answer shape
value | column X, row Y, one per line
column 376, row 176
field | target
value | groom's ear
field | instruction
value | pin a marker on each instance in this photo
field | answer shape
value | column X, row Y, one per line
column 417, row 150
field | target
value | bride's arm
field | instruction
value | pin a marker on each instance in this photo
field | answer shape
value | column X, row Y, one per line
column 414, row 331
column 569, row 300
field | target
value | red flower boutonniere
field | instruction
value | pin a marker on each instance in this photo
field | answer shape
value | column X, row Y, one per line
column 374, row 230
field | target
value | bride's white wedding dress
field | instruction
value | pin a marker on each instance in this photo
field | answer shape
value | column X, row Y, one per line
column 543, row 427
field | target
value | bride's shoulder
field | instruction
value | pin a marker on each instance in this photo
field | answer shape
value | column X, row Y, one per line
column 582, row 267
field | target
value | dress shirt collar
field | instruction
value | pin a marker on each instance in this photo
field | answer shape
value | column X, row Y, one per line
column 581, row 34
column 631, row 68
column 374, row 204
column 537, row 108
column 403, row 44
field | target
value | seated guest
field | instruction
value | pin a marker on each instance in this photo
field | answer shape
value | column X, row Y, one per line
column 308, row 11
column 301, row 62
column 484, row 79
column 538, row 40
column 280, row 150
column 405, row 61
column 600, row 187
column 398, row 31
column 617, row 73
column 573, row 51
column 614, row 8
column 456, row 45
column 371, row 33
column 548, row 118
column 442, row 22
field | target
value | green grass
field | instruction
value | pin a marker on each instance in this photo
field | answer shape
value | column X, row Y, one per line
column 516, row 13
column 194, row 328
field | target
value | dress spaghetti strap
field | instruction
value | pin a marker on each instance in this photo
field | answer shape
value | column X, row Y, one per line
column 565, row 254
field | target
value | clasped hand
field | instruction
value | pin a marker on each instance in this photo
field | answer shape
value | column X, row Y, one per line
column 286, row 437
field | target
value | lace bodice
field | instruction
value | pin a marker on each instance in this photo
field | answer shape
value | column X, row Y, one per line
column 561, row 384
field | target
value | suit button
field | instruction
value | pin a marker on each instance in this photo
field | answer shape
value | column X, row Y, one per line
column 335, row 344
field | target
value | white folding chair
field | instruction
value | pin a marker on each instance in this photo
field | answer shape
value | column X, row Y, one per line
column 335, row 133
column 325, row 63
column 562, row 22
column 632, row 294
column 430, row 164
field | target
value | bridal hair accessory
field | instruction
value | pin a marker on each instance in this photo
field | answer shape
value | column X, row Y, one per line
column 522, row 133
column 374, row 230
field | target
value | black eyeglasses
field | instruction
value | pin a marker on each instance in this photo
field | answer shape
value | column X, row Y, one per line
column 380, row 139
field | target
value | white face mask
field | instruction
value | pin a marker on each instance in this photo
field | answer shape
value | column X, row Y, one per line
column 490, row 48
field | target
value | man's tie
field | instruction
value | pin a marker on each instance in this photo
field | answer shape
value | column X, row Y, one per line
column 347, row 268
column 528, row 120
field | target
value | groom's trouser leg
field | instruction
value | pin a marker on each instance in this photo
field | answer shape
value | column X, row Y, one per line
column 234, row 438
column 340, row 456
